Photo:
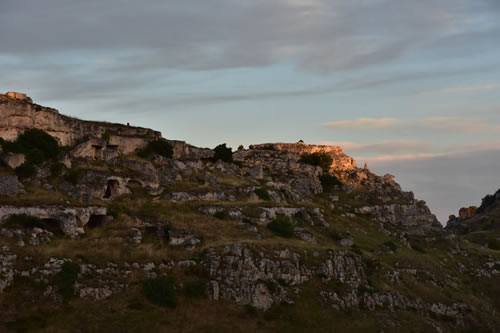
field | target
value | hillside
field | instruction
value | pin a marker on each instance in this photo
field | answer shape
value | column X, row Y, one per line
column 110, row 227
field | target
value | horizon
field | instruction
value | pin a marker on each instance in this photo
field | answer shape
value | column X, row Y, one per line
column 416, row 96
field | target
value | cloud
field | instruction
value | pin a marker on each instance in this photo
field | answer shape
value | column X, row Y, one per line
column 364, row 123
column 444, row 124
column 458, row 90
column 447, row 181
column 384, row 147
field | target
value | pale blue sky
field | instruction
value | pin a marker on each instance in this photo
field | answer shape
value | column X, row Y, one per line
column 412, row 87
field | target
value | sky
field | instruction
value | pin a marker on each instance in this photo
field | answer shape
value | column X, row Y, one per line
column 411, row 87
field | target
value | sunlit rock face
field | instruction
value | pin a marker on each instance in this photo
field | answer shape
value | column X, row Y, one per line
column 19, row 96
column 18, row 113
column 341, row 161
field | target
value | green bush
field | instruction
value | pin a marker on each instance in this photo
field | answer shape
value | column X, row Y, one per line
column 160, row 291
column 160, row 147
column 263, row 194
column 322, row 160
column 37, row 145
column 65, row 279
column 281, row 226
column 195, row 289
column 25, row 170
column 24, row 221
column 223, row 153
column 328, row 182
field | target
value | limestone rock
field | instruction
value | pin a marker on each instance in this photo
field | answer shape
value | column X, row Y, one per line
column 203, row 196
column 185, row 239
column 7, row 259
column 13, row 160
column 18, row 116
column 19, row 96
column 10, row 185
column 70, row 220
column 257, row 172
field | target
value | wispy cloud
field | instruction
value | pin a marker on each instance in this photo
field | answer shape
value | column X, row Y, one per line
column 384, row 147
column 364, row 123
column 445, row 124
column 460, row 90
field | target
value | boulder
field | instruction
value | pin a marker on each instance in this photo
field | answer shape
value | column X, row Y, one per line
column 465, row 213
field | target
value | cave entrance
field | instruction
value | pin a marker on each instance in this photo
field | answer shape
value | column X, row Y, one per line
column 96, row 221
column 111, row 189
column 53, row 225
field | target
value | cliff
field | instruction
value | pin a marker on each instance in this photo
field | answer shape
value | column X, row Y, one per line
column 18, row 114
column 101, row 238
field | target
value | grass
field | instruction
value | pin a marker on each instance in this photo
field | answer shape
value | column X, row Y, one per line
column 160, row 291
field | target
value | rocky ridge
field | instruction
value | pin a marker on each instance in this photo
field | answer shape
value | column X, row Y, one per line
column 356, row 247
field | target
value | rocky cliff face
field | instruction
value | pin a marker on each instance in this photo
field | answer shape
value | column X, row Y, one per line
column 266, row 243
column 341, row 162
column 18, row 114
column 474, row 219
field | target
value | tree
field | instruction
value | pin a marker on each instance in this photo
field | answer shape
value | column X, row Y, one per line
column 223, row 153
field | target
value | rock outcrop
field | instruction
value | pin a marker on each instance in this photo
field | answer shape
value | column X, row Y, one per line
column 71, row 220
column 17, row 115
column 341, row 161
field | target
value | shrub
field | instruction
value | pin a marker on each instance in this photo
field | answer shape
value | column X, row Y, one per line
column 322, row 160
column 73, row 175
column 223, row 153
column 328, row 182
column 241, row 147
column 390, row 244
column 263, row 194
column 37, row 139
column 66, row 278
column 160, row 291
column 281, row 226
column 24, row 221
column 494, row 244
column 160, row 147
column 195, row 289
column 37, row 145
column 56, row 169
column 35, row 156
column 25, row 170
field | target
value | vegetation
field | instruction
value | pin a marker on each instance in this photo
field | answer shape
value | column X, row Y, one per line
column 24, row 221
column 223, row 153
column 73, row 175
column 25, row 170
column 263, row 194
column 195, row 289
column 66, row 278
column 160, row 291
column 37, row 145
column 160, row 147
column 322, row 160
column 328, row 182
column 281, row 226
column 494, row 244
